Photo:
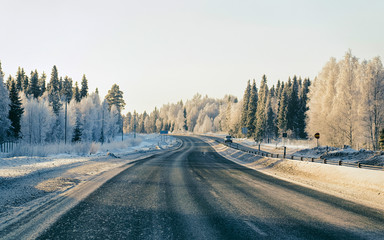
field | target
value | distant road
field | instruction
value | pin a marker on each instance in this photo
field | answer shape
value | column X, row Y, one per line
column 194, row 193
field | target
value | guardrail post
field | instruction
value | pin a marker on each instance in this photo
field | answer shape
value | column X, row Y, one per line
column 358, row 165
column 301, row 158
column 292, row 157
column 271, row 154
column 340, row 162
column 312, row 159
column 325, row 161
column 285, row 152
column 259, row 147
column 277, row 155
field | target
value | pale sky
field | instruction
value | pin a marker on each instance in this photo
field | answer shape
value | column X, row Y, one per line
column 164, row 51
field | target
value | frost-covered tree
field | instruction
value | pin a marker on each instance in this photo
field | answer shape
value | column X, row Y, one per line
column 346, row 102
column 372, row 100
column 36, row 120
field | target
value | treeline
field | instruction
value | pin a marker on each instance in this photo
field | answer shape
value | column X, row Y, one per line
column 57, row 111
column 264, row 112
column 347, row 103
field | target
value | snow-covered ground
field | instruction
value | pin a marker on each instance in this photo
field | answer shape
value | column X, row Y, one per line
column 308, row 149
column 359, row 185
column 27, row 182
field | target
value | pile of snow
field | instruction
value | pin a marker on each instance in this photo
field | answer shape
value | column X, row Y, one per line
column 346, row 154
column 315, row 152
column 360, row 185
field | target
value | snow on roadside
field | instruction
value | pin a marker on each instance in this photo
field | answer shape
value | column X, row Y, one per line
column 360, row 185
column 26, row 179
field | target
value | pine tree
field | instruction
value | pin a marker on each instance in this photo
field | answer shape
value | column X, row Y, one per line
column 252, row 108
column 76, row 92
column 15, row 112
column 115, row 97
column 34, row 88
column 84, row 87
column 261, row 115
column 42, row 85
column 54, row 91
column 244, row 112
column 19, row 79
column 67, row 89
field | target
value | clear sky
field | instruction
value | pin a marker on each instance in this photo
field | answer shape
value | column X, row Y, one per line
column 164, row 51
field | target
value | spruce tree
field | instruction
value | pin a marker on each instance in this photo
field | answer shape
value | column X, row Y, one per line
column 76, row 92
column 283, row 110
column 271, row 126
column 77, row 131
column 15, row 111
column 84, row 87
column 293, row 105
column 244, row 111
column 9, row 82
column 261, row 115
column 19, row 79
column 34, row 88
column 54, row 92
column 303, row 108
column 25, row 84
column 252, row 108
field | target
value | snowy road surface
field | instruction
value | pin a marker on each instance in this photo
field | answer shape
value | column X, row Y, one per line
column 194, row 193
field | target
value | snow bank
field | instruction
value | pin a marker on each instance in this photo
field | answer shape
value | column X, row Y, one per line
column 26, row 178
column 360, row 185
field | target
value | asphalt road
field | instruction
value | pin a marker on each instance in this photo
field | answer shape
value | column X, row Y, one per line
column 194, row 193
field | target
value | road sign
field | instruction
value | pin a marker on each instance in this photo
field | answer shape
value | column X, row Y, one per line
column 244, row 130
column 163, row 132
column 285, row 135
column 317, row 135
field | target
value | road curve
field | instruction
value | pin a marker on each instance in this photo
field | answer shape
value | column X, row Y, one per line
column 194, row 193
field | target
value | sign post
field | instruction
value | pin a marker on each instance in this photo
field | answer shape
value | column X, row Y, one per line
column 317, row 136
